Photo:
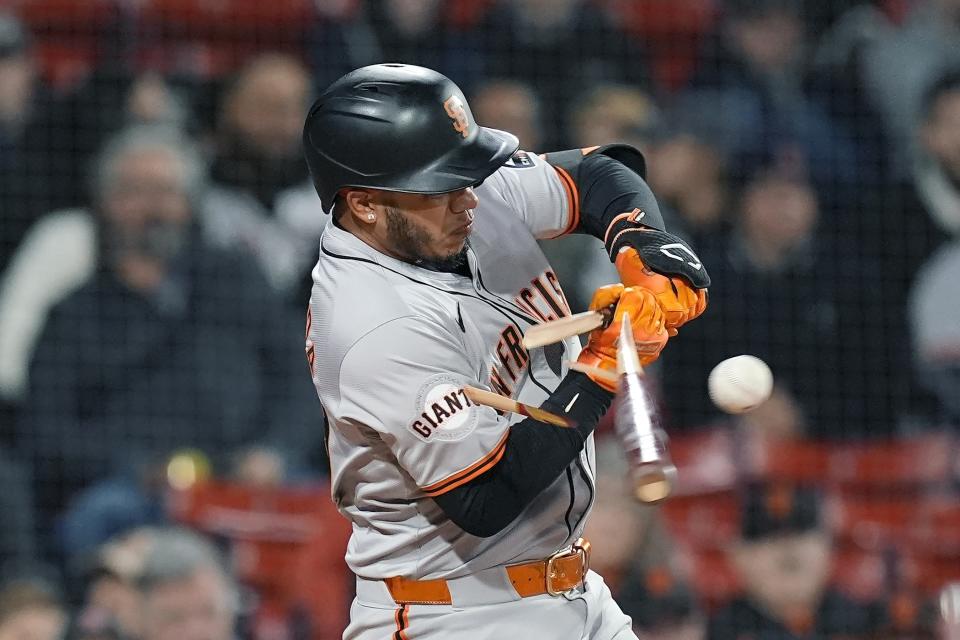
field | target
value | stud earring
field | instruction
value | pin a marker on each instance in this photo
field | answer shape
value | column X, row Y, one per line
column 371, row 217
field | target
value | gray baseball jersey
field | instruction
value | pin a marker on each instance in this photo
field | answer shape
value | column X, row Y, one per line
column 391, row 345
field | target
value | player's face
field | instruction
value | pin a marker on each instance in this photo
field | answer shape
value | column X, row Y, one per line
column 430, row 228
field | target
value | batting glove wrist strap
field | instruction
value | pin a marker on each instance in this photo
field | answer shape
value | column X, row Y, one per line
column 661, row 251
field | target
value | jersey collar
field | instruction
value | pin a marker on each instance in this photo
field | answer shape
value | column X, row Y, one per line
column 341, row 241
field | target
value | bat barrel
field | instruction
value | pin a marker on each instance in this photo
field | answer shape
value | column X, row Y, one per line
column 653, row 482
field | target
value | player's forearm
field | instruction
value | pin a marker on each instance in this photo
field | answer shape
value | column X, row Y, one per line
column 534, row 457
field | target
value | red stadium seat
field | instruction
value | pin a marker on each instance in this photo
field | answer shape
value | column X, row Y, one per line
column 705, row 462
column 673, row 37
column 900, row 463
column 874, row 522
column 68, row 35
column 711, row 575
column 794, row 461
column 939, row 530
column 929, row 572
column 709, row 520
column 229, row 17
column 65, row 64
column 287, row 543
column 861, row 574
column 466, row 13
column 64, row 16
column 904, row 462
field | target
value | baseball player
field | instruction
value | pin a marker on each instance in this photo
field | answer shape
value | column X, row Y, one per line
column 467, row 523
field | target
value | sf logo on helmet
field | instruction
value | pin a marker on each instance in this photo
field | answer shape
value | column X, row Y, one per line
column 455, row 109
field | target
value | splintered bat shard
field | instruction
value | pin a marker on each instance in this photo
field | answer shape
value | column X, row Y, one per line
column 556, row 330
column 503, row 403
column 645, row 444
column 596, row 372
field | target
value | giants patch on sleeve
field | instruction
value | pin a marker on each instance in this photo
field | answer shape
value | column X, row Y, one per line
column 443, row 411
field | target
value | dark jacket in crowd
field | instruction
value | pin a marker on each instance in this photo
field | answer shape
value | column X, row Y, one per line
column 817, row 321
column 370, row 37
column 566, row 61
column 212, row 362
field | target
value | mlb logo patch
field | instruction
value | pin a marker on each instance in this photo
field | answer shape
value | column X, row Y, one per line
column 519, row 160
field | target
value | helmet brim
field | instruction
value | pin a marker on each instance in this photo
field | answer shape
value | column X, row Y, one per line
column 462, row 167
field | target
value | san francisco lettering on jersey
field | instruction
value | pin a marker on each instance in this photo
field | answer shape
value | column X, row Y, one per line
column 544, row 300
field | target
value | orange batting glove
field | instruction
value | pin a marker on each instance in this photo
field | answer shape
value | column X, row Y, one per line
column 680, row 302
column 646, row 319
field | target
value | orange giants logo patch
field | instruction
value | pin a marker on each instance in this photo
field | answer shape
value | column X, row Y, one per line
column 458, row 113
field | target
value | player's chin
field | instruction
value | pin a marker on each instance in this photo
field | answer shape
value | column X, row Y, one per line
column 455, row 244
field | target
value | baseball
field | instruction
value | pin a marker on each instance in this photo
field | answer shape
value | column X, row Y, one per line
column 739, row 384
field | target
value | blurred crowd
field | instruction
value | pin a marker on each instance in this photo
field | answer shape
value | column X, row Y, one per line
column 158, row 229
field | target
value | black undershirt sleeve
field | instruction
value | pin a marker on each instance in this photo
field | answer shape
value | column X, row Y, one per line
column 609, row 188
column 617, row 206
column 535, row 455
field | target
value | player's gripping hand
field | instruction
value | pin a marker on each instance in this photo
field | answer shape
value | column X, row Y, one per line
column 680, row 302
column 646, row 319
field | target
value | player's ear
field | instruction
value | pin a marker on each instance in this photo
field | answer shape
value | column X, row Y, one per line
column 360, row 205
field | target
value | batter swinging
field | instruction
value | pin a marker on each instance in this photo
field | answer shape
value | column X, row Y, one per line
column 467, row 523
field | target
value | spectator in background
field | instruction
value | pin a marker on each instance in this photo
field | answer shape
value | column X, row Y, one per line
column 782, row 293
column 22, row 100
column 171, row 344
column 260, row 200
column 58, row 252
column 635, row 557
column 66, row 141
column 407, row 31
column 936, row 170
column 684, row 168
column 613, row 112
column 911, row 218
column 186, row 592
column 111, row 603
column 17, row 544
column 908, row 221
column 899, row 65
column 510, row 105
column 562, row 47
column 662, row 607
column 784, row 559
column 835, row 80
column 935, row 326
column 30, row 610
column 749, row 90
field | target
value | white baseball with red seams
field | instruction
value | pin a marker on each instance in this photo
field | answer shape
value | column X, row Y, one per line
column 739, row 384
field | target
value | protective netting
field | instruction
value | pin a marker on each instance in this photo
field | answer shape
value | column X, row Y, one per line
column 157, row 231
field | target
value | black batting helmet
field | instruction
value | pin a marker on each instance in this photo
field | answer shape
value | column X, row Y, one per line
column 399, row 128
